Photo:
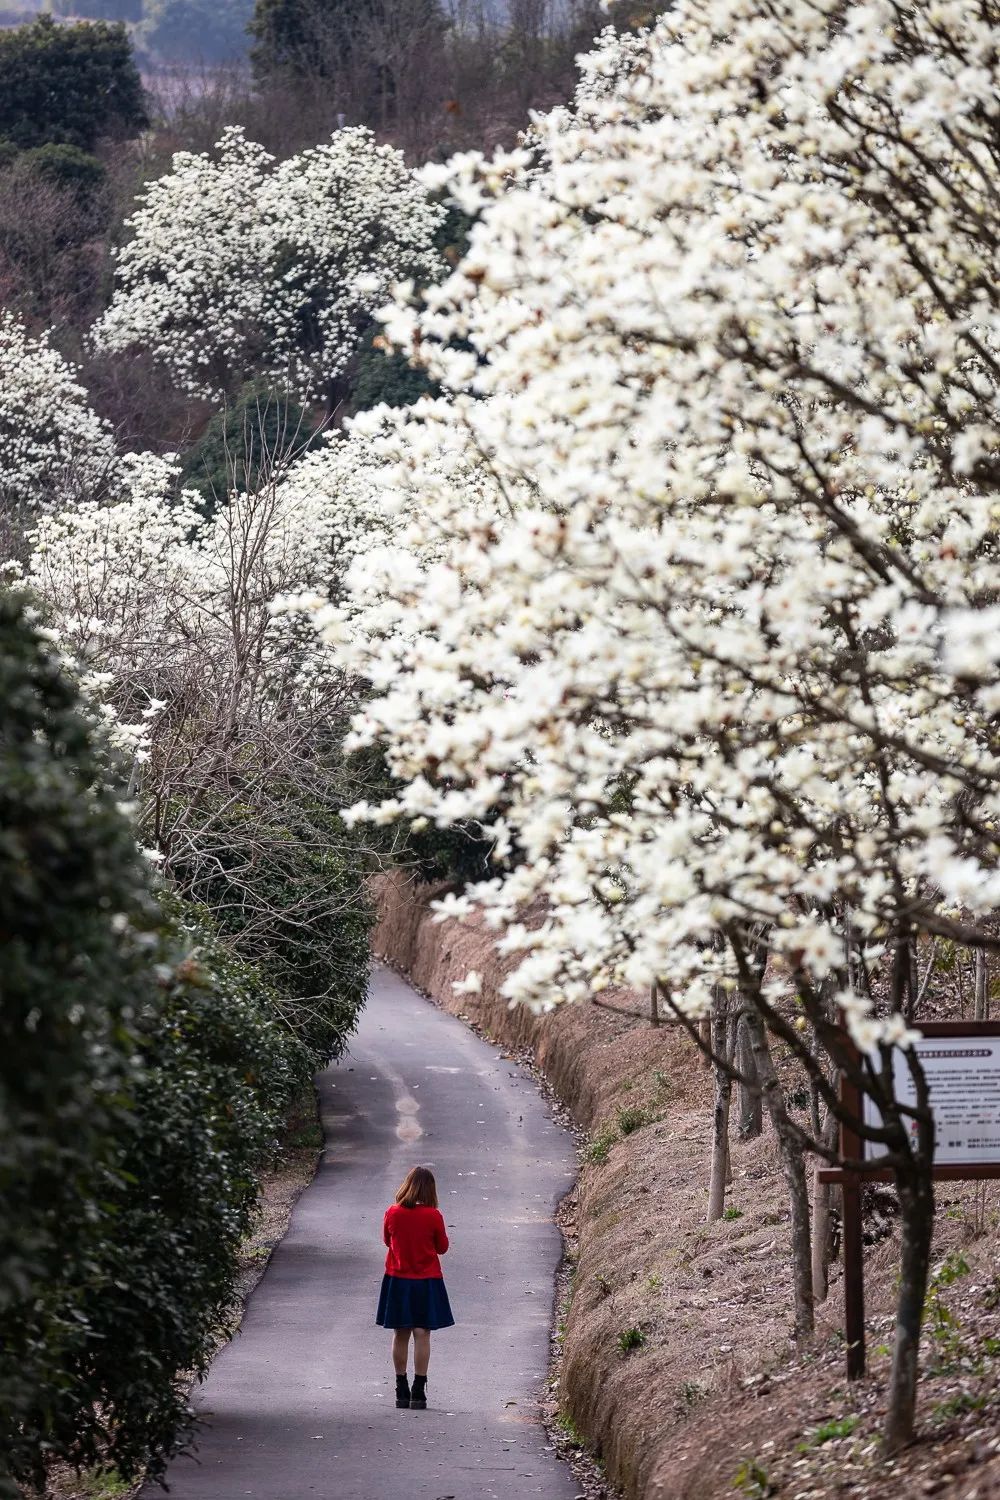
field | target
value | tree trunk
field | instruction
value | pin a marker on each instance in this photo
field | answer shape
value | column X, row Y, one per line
column 654, row 1004
column 982, row 1001
column 916, row 1207
column 720, row 1029
column 705, row 1032
column 750, row 1104
column 822, row 1227
column 793, row 1164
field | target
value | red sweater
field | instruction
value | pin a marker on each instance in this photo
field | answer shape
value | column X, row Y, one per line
column 416, row 1237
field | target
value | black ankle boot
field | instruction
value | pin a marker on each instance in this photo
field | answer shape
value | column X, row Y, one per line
column 418, row 1396
column 402, row 1391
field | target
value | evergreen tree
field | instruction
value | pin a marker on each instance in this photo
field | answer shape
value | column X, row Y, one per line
column 302, row 36
column 333, row 38
column 68, row 84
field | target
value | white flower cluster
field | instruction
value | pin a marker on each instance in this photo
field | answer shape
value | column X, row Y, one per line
column 52, row 446
column 171, row 619
column 237, row 264
column 712, row 637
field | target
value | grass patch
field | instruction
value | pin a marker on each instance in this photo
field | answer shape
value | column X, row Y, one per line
column 632, row 1117
column 957, row 1406
column 103, row 1484
column 751, row 1479
column 829, row 1432
column 566, row 1425
column 731, row 1213
column 629, row 1339
column 599, row 1148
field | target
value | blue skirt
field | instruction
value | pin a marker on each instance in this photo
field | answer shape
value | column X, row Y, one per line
column 413, row 1302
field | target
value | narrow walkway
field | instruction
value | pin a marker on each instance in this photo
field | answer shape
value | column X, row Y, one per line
column 301, row 1404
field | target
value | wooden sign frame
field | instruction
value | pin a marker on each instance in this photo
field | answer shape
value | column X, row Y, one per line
column 850, row 1179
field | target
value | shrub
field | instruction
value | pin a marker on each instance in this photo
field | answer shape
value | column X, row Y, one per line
column 168, row 1208
column 71, row 883
column 68, row 168
column 291, row 899
column 218, row 1073
column 144, row 1075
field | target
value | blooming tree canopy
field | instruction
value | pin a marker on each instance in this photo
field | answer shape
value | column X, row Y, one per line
column 720, row 663
column 53, row 447
column 728, row 656
column 232, row 713
column 239, row 264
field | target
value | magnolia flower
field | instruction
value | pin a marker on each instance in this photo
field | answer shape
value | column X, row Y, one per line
column 472, row 984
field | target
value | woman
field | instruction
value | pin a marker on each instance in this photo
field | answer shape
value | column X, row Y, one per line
column 413, row 1297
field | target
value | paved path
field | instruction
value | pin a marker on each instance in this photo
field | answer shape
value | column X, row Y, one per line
column 301, row 1404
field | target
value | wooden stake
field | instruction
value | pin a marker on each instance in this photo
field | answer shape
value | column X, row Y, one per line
column 854, row 1277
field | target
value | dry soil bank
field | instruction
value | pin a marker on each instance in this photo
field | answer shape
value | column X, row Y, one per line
column 677, row 1369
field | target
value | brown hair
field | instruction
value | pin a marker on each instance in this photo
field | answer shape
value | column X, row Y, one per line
column 418, row 1189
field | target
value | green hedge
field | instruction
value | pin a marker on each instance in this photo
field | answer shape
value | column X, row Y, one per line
column 218, row 1075
column 72, row 889
column 144, row 1076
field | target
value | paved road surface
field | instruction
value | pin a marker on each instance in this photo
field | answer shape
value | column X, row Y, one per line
column 301, row 1404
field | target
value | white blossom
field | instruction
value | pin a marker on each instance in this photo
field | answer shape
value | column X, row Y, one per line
column 53, row 448
column 238, row 263
column 691, row 572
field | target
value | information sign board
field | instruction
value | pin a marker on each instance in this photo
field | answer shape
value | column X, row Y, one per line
column 963, row 1078
column 961, row 1063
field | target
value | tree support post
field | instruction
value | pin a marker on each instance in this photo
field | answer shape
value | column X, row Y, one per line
column 854, row 1276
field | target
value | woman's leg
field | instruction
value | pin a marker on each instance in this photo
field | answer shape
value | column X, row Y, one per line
column 421, row 1350
column 401, row 1349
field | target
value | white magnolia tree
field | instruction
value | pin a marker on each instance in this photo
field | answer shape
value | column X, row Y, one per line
column 237, row 715
column 238, row 264
column 714, row 645
column 53, row 447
